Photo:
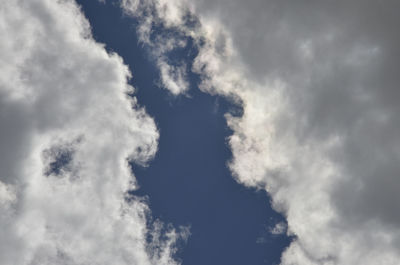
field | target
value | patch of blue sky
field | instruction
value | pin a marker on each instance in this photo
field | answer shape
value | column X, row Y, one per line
column 188, row 182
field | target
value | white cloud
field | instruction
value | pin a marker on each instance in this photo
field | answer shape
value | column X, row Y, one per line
column 173, row 78
column 164, row 14
column 319, row 129
column 278, row 229
column 68, row 130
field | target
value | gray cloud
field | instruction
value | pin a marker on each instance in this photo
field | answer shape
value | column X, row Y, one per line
column 318, row 83
column 68, row 130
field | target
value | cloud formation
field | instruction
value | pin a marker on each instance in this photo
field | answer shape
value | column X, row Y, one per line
column 320, row 132
column 162, row 29
column 69, row 127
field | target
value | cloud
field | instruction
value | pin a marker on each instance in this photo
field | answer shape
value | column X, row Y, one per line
column 69, row 127
column 319, row 129
column 162, row 29
column 278, row 229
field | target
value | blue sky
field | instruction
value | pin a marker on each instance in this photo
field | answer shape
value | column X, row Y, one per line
column 167, row 132
column 188, row 183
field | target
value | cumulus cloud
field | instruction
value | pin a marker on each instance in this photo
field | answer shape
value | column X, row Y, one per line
column 318, row 84
column 69, row 128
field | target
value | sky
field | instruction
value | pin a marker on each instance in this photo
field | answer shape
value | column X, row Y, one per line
column 166, row 132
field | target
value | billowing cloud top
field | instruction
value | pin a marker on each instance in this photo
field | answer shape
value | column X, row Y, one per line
column 68, row 130
column 318, row 83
